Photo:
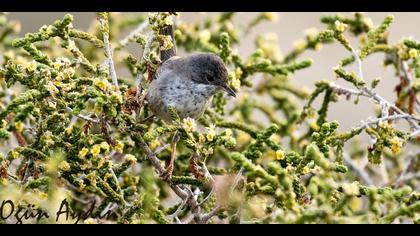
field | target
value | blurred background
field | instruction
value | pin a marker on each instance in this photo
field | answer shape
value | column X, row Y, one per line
column 289, row 28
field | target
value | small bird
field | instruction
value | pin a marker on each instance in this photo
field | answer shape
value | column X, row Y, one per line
column 186, row 83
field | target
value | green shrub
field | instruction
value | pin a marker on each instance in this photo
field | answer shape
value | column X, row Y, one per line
column 83, row 135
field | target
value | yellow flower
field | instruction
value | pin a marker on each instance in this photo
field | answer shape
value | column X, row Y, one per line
column 48, row 138
column 98, row 108
column 268, row 43
column 119, row 147
column 413, row 53
column 169, row 21
column 82, row 185
column 71, row 45
column 96, row 149
column 311, row 33
column 211, row 133
column 204, row 35
column 166, row 43
column 69, row 72
column 356, row 204
column 116, row 96
column 9, row 54
column 69, row 130
column 101, row 163
column 16, row 26
column 131, row 158
column 351, row 189
column 243, row 137
column 318, row 46
column 306, row 170
column 299, row 44
column 89, row 221
column 58, row 83
column 340, row 26
column 50, row 29
column 14, row 154
column 3, row 123
column 317, row 169
column 314, row 125
column 238, row 72
column 64, row 166
column 154, row 144
column 189, row 124
column 105, row 146
column 19, row 126
column 234, row 81
column 100, row 83
column 51, row 88
column 271, row 16
column 384, row 125
column 280, row 155
column 201, row 139
column 31, row 66
column 57, row 65
column 396, row 145
column 306, row 90
column 368, row 22
column 83, row 152
column 208, row 152
column 228, row 132
column 289, row 168
column 90, row 141
column 108, row 176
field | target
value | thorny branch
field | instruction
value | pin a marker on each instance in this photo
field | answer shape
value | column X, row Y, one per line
column 183, row 192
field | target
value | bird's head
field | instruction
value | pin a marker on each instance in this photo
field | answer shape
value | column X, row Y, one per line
column 208, row 68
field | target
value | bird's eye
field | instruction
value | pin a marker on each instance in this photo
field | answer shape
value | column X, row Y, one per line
column 209, row 78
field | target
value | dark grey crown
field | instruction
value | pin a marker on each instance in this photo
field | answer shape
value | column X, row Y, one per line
column 208, row 68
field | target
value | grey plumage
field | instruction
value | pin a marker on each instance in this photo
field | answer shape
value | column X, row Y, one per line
column 188, row 84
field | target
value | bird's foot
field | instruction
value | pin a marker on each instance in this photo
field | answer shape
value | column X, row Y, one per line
column 167, row 174
column 194, row 168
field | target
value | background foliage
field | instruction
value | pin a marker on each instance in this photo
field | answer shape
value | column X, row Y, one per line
column 269, row 156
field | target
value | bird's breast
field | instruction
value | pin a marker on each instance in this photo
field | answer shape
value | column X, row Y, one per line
column 189, row 98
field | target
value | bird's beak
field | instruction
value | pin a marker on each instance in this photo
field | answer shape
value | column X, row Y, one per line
column 229, row 90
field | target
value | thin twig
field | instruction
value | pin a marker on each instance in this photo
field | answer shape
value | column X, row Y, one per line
column 27, row 171
column 109, row 54
column 406, row 169
column 83, row 117
column 360, row 172
column 386, row 118
column 114, row 176
column 179, row 209
column 123, row 42
column 367, row 92
column 148, row 45
column 193, row 204
column 161, row 149
column 212, row 213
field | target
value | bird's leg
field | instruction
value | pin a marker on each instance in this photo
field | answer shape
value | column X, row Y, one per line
column 194, row 168
column 147, row 119
column 167, row 174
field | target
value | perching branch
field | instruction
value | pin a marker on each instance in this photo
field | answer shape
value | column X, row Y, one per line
column 108, row 52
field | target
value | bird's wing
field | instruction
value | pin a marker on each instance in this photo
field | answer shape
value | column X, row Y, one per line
column 166, row 54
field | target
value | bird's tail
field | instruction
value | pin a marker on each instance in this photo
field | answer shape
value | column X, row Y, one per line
column 166, row 54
